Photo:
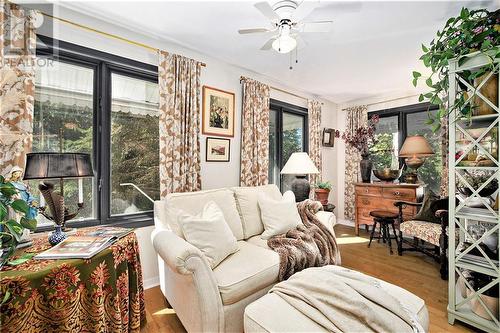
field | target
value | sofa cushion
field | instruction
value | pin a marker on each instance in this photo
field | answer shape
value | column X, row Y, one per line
column 278, row 216
column 193, row 203
column 209, row 232
column 245, row 272
column 259, row 241
column 248, row 206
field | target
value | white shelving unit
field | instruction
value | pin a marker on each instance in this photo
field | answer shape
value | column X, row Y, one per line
column 461, row 216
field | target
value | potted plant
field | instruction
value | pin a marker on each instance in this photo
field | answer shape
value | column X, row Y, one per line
column 322, row 191
column 12, row 230
column 361, row 140
column 470, row 33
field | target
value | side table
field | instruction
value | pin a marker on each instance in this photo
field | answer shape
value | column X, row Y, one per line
column 101, row 294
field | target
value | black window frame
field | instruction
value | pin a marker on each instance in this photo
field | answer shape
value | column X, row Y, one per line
column 104, row 64
column 280, row 108
column 402, row 113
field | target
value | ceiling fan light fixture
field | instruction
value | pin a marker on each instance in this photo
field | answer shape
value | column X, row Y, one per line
column 284, row 44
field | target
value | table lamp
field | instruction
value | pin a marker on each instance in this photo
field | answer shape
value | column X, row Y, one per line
column 58, row 166
column 415, row 149
column 300, row 165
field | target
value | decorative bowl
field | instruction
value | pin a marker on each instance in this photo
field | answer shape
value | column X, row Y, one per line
column 387, row 175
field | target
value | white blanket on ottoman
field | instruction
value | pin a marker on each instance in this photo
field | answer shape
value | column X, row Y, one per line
column 342, row 300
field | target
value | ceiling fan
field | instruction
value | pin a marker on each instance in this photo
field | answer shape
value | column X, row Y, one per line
column 287, row 20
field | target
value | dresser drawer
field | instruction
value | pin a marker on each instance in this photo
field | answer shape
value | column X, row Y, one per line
column 369, row 190
column 406, row 194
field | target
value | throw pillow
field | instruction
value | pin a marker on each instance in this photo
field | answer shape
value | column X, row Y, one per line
column 278, row 216
column 209, row 232
column 426, row 213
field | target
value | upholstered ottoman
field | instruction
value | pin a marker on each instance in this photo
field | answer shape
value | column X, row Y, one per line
column 271, row 313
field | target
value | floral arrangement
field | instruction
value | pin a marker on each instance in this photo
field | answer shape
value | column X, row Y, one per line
column 471, row 31
column 362, row 137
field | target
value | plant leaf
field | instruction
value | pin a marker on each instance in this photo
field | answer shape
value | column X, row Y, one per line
column 15, row 229
column 28, row 223
column 5, row 297
column 3, row 211
column 428, row 82
column 20, row 206
column 416, row 74
column 8, row 189
column 425, row 49
column 21, row 259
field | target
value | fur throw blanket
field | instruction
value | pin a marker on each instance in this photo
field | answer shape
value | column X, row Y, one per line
column 308, row 245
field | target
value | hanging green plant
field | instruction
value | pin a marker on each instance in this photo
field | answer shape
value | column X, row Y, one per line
column 472, row 32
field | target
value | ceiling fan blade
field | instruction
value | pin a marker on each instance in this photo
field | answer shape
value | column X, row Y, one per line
column 303, row 10
column 266, row 10
column 317, row 26
column 253, row 31
column 268, row 44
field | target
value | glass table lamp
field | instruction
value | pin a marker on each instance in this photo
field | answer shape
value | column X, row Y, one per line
column 300, row 165
column 415, row 149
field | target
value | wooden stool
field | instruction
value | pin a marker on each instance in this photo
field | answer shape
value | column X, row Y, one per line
column 384, row 219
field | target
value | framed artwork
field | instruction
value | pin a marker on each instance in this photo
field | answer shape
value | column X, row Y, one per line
column 218, row 112
column 218, row 150
column 328, row 137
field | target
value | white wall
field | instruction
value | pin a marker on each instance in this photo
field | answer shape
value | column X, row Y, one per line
column 216, row 74
column 375, row 104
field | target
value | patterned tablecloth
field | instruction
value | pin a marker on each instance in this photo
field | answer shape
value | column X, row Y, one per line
column 101, row 294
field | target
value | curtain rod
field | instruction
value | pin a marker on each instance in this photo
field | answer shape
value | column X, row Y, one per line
column 283, row 91
column 387, row 101
column 123, row 39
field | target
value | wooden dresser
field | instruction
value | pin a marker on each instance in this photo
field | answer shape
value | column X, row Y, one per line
column 381, row 196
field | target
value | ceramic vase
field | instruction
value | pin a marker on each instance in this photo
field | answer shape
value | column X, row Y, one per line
column 365, row 166
column 57, row 236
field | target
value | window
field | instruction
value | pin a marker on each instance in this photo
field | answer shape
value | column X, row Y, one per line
column 134, row 153
column 63, row 121
column 394, row 126
column 287, row 134
column 107, row 106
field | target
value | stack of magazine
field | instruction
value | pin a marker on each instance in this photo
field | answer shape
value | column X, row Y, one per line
column 85, row 247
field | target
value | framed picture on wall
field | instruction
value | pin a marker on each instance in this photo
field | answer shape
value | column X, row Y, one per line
column 218, row 150
column 218, row 112
column 328, row 137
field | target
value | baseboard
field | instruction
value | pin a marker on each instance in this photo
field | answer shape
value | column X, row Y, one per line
column 345, row 222
column 151, row 282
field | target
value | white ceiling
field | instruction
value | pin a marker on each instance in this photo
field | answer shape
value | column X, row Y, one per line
column 370, row 52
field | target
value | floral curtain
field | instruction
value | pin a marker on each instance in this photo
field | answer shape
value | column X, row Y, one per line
column 254, row 133
column 314, row 112
column 179, row 83
column 356, row 116
column 17, row 71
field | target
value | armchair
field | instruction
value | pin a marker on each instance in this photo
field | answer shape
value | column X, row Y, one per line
column 428, row 238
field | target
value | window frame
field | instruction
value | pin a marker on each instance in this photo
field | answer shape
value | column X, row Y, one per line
column 280, row 108
column 402, row 113
column 103, row 64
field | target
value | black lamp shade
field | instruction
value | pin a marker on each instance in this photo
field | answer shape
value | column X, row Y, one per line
column 57, row 165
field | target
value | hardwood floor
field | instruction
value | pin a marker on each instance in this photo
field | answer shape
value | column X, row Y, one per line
column 415, row 272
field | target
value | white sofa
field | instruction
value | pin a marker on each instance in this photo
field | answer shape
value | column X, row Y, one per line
column 207, row 300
